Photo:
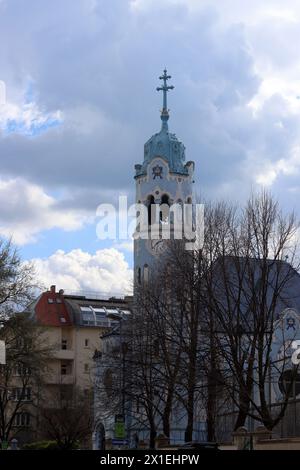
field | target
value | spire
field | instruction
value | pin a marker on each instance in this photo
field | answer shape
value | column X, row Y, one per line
column 165, row 88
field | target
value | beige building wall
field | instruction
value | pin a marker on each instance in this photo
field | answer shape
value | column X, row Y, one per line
column 73, row 350
column 87, row 340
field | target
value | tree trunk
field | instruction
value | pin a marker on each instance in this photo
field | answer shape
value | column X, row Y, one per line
column 152, row 436
column 211, row 412
column 167, row 413
column 190, row 416
column 244, row 405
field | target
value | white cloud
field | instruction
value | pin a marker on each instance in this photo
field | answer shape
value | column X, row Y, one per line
column 105, row 272
column 26, row 209
column 21, row 114
column 26, row 119
column 272, row 170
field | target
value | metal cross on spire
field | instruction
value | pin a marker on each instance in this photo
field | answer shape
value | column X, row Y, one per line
column 165, row 88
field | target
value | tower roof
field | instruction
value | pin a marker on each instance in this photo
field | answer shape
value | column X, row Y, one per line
column 164, row 144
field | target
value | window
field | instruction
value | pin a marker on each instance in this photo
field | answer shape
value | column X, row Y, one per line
column 50, row 301
column 85, row 309
column 58, row 300
column 99, row 311
column 63, row 369
column 64, row 344
column 22, row 419
column 21, row 370
column 151, row 202
column 87, row 316
column 86, row 368
column 164, row 209
column 100, row 316
column 86, row 343
column 21, row 394
column 114, row 311
column 165, row 199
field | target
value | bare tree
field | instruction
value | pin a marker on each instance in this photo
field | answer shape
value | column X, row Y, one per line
column 17, row 281
column 247, row 287
column 153, row 299
column 21, row 376
column 69, row 422
column 171, row 299
column 128, row 381
column 203, row 323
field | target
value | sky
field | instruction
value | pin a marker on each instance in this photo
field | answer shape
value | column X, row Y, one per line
column 80, row 102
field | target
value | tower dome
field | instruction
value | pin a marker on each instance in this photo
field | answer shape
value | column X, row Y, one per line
column 164, row 144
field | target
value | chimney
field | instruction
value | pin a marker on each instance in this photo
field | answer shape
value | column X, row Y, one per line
column 52, row 289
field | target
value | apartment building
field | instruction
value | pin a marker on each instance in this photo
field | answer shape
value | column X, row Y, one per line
column 73, row 326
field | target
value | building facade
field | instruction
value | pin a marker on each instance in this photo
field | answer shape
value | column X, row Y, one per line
column 72, row 326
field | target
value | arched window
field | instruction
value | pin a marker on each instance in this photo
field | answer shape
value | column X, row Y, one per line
column 146, row 273
column 151, row 201
column 164, row 212
column 165, row 199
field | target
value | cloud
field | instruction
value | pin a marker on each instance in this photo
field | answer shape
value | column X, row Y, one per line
column 108, row 97
column 288, row 166
column 105, row 272
column 25, row 117
column 93, row 67
column 26, row 210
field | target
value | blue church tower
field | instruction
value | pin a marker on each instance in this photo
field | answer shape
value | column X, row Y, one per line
column 163, row 178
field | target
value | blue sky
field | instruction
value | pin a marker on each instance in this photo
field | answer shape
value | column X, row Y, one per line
column 80, row 83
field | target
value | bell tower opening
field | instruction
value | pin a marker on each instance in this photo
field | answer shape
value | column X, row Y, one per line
column 164, row 212
column 150, row 203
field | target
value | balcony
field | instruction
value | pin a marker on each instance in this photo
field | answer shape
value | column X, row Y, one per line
column 64, row 354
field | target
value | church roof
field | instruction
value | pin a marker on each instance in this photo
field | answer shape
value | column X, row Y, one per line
column 238, row 286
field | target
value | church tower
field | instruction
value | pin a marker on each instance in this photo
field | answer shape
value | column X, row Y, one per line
column 162, row 179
